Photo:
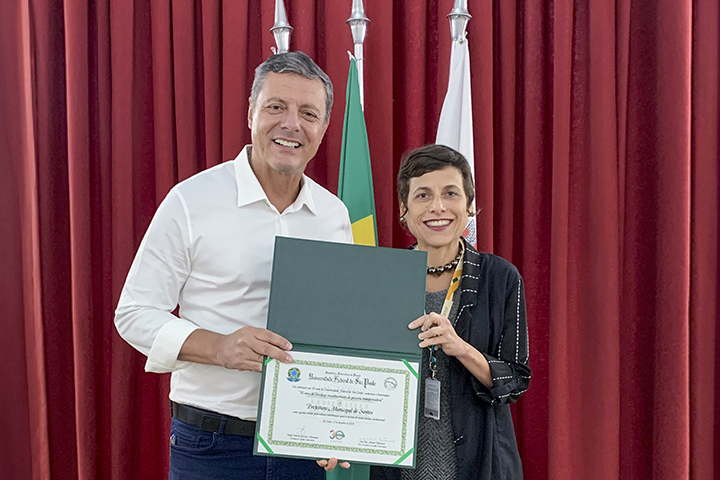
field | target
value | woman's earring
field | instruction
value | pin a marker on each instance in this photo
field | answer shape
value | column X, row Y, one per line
column 402, row 218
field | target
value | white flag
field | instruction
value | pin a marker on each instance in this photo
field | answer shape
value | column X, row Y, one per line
column 455, row 128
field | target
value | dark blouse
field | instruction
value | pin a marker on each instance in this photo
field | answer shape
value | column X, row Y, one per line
column 491, row 318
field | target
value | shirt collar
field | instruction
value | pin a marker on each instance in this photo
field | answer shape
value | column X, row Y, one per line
column 304, row 197
column 250, row 191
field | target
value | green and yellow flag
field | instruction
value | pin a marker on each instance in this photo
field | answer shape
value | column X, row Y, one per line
column 355, row 186
column 355, row 189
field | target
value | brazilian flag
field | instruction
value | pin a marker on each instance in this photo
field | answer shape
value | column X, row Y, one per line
column 355, row 186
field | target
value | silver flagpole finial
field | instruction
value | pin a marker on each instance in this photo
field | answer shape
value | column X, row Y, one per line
column 459, row 18
column 358, row 27
column 358, row 22
column 282, row 29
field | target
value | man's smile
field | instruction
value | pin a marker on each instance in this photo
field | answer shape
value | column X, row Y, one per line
column 286, row 143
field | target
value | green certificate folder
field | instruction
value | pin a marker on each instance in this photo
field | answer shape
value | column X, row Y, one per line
column 353, row 390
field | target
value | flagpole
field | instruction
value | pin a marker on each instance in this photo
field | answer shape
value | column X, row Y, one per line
column 281, row 29
column 355, row 180
column 358, row 27
column 455, row 126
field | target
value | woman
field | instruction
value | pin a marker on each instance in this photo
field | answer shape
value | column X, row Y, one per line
column 474, row 335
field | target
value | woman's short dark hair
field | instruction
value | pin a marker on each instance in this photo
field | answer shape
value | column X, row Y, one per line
column 430, row 158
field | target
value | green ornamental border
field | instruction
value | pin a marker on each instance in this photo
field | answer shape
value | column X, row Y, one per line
column 343, row 448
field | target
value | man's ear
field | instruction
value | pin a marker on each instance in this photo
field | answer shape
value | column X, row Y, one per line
column 250, row 114
column 325, row 128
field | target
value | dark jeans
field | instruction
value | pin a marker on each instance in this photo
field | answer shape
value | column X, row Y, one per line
column 199, row 455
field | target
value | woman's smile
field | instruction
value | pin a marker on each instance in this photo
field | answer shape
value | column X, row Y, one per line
column 437, row 225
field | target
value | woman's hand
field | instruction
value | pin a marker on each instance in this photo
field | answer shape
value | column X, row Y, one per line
column 437, row 330
column 329, row 465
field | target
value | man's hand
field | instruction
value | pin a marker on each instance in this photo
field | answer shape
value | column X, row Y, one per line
column 329, row 465
column 244, row 348
column 241, row 350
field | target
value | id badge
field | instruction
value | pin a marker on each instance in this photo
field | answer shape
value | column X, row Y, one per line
column 432, row 398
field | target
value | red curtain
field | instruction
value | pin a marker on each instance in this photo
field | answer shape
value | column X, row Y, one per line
column 596, row 137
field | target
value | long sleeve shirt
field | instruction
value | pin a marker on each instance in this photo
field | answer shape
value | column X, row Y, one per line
column 209, row 250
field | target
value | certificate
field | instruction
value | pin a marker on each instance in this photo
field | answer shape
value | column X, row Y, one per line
column 353, row 408
column 352, row 390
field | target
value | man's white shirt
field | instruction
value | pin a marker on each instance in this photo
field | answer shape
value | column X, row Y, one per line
column 209, row 249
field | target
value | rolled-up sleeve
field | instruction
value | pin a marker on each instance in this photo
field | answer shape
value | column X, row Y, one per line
column 144, row 315
column 509, row 367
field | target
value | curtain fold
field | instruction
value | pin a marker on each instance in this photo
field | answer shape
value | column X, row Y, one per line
column 704, row 241
column 655, row 281
column 596, row 153
column 19, row 340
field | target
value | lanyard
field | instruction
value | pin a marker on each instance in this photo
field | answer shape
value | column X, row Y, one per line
column 447, row 305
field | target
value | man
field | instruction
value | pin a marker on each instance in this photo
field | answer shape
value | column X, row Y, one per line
column 209, row 250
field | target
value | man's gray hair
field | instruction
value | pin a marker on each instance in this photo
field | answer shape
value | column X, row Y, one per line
column 292, row 62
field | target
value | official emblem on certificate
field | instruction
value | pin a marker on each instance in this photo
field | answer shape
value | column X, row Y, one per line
column 354, row 408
